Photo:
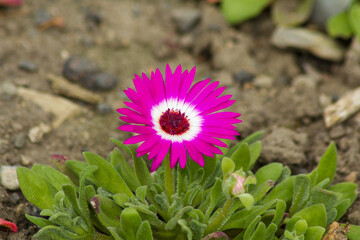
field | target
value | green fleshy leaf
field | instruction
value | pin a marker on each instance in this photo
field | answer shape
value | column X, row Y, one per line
column 285, row 174
column 241, row 157
column 228, row 166
column 251, row 228
column 173, row 221
column 107, row 211
column 124, row 147
column 259, row 232
column 216, row 196
column 271, row 171
column 144, row 232
column 301, row 193
column 354, row 18
column 236, row 11
column 315, row 215
column 120, row 199
column 255, row 151
column 54, row 232
column 327, row 164
column 56, row 178
column 270, row 231
column 142, row 172
column 279, row 213
column 313, row 177
column 41, row 222
column 31, row 185
column 89, row 192
column 65, row 220
column 354, row 232
column 126, row 171
column 298, row 13
column 331, row 216
column 328, row 198
column 107, row 176
column 252, row 138
column 300, row 227
column 282, row 191
column 209, row 168
column 141, row 193
column 184, row 226
column 115, row 233
column 77, row 166
column 261, row 191
column 339, row 25
column 197, row 228
column 348, row 190
column 247, row 200
column 244, row 217
column 342, row 207
column 130, row 222
column 314, row 233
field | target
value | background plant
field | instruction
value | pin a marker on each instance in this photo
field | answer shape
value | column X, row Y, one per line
column 344, row 24
column 110, row 199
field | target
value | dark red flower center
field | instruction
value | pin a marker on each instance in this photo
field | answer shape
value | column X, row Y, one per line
column 174, row 122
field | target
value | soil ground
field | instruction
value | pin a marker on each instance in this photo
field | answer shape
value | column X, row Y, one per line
column 140, row 36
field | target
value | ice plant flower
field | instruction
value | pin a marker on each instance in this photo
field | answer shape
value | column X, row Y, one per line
column 176, row 117
column 5, row 223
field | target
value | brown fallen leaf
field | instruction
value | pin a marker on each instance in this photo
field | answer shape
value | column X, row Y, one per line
column 337, row 232
column 54, row 22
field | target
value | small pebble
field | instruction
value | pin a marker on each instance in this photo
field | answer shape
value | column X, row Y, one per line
column 9, row 178
column 19, row 140
column 77, row 69
column 94, row 19
column 103, row 108
column 28, row 66
column 103, row 81
column 243, row 77
column 36, row 133
column 4, row 196
column 22, row 209
column 25, row 161
column 263, row 81
column 186, row 19
column 8, row 90
column 14, row 198
column 351, row 177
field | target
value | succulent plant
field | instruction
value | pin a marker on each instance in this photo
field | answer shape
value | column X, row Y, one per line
column 111, row 199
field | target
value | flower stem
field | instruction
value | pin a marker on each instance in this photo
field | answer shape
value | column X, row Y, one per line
column 168, row 179
column 216, row 223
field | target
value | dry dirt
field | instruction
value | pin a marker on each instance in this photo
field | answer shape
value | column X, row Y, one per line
column 286, row 98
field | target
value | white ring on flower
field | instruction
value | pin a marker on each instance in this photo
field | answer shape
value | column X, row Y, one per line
column 195, row 120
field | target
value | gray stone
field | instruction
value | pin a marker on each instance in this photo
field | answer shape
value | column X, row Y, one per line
column 28, row 66
column 186, row 19
column 263, row 81
column 8, row 90
column 14, row 198
column 324, row 9
column 104, row 108
column 104, row 81
column 36, row 133
column 19, row 140
column 9, row 178
column 313, row 41
column 25, row 161
column 243, row 77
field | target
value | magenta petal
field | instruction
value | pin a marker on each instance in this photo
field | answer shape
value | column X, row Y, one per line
column 137, row 139
column 182, row 156
column 164, row 149
column 194, row 154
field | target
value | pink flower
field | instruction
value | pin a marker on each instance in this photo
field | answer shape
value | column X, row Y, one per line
column 12, row 226
column 174, row 117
